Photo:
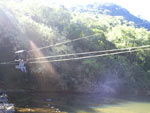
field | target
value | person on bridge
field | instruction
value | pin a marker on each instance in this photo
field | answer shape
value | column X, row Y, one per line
column 21, row 65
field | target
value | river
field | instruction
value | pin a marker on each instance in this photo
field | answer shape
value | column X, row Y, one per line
column 78, row 103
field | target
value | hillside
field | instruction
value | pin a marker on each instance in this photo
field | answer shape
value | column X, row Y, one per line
column 113, row 10
column 31, row 26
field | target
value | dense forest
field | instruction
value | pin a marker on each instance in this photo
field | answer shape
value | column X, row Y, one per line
column 30, row 25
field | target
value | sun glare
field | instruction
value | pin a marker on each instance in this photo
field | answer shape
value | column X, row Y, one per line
column 47, row 66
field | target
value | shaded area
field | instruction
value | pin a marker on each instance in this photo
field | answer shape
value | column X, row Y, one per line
column 77, row 103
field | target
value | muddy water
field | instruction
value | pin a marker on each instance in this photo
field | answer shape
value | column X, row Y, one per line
column 75, row 103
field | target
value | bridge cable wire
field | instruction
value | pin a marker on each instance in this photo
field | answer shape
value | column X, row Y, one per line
column 57, row 44
column 70, row 41
column 65, row 42
column 84, row 53
column 87, row 57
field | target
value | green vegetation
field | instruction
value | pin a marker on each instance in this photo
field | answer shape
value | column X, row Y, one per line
column 113, row 10
column 22, row 22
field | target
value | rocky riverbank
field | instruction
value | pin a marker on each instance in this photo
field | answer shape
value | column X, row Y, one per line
column 5, row 106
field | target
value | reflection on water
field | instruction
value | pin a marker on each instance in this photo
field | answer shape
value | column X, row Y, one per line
column 129, row 107
column 73, row 103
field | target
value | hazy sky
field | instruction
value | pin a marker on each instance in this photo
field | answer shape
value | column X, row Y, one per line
column 136, row 7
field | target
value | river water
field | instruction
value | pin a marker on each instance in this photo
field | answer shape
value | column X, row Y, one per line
column 78, row 103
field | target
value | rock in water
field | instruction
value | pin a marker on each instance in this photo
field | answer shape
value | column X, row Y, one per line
column 5, row 107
